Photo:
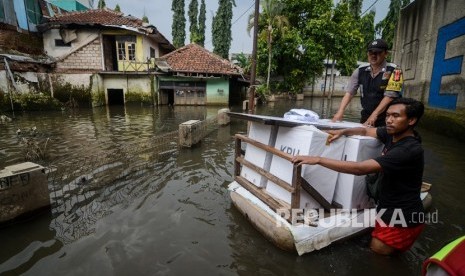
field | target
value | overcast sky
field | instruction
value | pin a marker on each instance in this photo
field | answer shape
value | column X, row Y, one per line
column 160, row 15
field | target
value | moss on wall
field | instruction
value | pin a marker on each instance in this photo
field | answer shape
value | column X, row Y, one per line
column 138, row 97
column 72, row 95
column 447, row 123
column 29, row 102
column 97, row 93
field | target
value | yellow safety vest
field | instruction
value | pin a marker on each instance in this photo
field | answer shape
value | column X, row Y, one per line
column 451, row 258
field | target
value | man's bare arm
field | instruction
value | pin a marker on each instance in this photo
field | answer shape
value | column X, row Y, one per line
column 363, row 131
column 379, row 109
column 342, row 107
column 356, row 168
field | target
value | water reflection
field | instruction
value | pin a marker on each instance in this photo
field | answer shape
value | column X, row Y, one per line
column 172, row 215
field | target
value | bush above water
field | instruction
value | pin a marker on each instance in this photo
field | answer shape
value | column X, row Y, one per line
column 73, row 95
column 29, row 101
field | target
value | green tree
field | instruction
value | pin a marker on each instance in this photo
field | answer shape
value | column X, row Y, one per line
column 202, row 26
column 117, row 8
column 145, row 19
column 101, row 4
column 386, row 28
column 297, row 54
column 221, row 28
column 178, row 29
column 343, row 37
column 193, row 28
column 274, row 20
column 244, row 62
column 318, row 30
column 367, row 29
column 355, row 7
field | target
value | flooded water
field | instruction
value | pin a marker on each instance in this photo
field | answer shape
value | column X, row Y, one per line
column 174, row 215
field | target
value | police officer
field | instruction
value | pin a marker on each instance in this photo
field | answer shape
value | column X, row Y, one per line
column 379, row 82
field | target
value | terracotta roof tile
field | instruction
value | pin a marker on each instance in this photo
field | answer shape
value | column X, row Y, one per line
column 106, row 17
column 98, row 16
column 196, row 59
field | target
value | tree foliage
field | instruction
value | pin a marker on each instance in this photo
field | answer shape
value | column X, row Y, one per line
column 178, row 28
column 273, row 20
column 193, row 27
column 355, row 7
column 202, row 20
column 101, row 4
column 386, row 28
column 145, row 19
column 316, row 30
column 243, row 61
column 367, row 29
column 221, row 28
column 117, row 8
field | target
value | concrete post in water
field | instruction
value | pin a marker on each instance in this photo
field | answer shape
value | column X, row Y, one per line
column 223, row 117
column 190, row 133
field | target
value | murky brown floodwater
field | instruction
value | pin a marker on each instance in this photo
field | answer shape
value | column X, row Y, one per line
column 174, row 216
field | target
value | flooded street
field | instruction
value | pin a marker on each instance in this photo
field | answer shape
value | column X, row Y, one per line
column 174, row 216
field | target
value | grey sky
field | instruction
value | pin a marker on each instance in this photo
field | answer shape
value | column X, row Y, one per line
column 160, row 15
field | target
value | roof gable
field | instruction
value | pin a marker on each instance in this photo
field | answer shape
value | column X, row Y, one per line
column 96, row 17
column 106, row 18
column 196, row 59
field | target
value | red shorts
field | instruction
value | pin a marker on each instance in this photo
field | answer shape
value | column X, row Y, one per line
column 400, row 238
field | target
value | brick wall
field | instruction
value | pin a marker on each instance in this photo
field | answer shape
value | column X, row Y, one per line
column 28, row 43
column 88, row 57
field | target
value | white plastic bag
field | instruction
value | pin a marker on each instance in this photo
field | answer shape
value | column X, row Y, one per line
column 302, row 115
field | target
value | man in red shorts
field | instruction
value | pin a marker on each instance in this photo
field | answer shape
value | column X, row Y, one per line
column 401, row 167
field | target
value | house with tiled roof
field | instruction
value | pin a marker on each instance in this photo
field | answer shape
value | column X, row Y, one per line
column 195, row 76
column 107, row 50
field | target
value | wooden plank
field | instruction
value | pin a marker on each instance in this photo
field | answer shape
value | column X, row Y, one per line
column 259, row 193
column 316, row 195
column 274, row 151
column 281, row 183
column 296, row 183
column 237, row 154
column 303, row 183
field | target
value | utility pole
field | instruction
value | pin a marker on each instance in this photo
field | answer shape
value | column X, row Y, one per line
column 253, row 70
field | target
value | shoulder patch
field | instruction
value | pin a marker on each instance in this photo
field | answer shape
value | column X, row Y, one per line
column 396, row 81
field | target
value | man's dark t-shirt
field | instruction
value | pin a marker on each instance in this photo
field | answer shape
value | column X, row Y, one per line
column 402, row 163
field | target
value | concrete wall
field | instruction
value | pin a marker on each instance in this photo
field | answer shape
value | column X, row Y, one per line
column 430, row 47
column 88, row 57
column 218, row 91
column 135, row 87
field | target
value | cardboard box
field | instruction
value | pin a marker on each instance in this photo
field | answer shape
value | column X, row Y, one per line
column 305, row 140
column 351, row 189
column 263, row 134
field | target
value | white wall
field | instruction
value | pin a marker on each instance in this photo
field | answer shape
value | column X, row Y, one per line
column 83, row 37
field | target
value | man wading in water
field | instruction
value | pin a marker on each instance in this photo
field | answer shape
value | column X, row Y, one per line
column 401, row 166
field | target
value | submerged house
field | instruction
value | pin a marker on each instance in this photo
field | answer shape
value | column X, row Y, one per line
column 117, row 58
column 195, row 76
column 109, row 52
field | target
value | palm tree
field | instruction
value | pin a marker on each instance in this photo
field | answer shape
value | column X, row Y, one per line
column 244, row 62
column 273, row 19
